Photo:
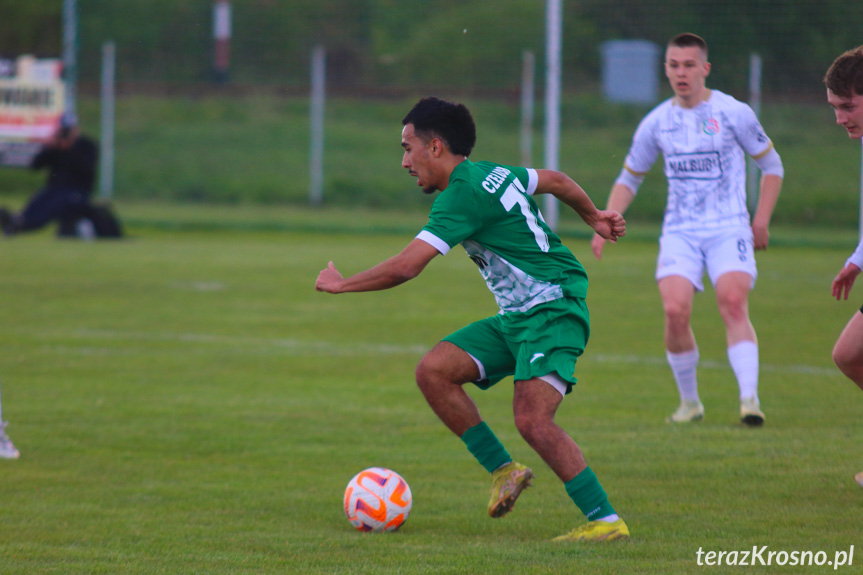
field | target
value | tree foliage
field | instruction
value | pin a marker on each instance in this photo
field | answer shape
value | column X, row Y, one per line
column 30, row 27
column 469, row 44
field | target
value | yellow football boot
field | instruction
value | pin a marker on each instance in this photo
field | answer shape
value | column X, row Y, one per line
column 507, row 484
column 597, row 531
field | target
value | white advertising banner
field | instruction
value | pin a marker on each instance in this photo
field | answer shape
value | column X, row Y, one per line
column 31, row 103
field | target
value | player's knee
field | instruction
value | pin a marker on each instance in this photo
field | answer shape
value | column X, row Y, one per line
column 431, row 373
column 533, row 426
column 677, row 313
column 733, row 307
column 528, row 427
column 426, row 374
column 848, row 363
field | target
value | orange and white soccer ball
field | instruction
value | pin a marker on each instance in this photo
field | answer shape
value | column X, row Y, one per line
column 378, row 499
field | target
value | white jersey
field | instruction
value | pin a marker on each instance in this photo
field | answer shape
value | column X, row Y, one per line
column 705, row 164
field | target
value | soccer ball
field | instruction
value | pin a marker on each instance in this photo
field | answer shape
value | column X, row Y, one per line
column 377, row 499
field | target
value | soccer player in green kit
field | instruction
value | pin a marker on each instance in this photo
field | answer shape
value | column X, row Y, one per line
column 543, row 324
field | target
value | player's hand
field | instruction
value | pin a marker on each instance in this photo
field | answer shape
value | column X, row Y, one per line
column 760, row 236
column 609, row 225
column 844, row 280
column 596, row 245
column 328, row 280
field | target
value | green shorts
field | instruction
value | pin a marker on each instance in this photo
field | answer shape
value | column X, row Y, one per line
column 549, row 338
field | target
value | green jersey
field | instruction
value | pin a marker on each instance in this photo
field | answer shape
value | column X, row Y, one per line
column 490, row 211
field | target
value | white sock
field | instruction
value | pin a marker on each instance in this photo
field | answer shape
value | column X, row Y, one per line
column 743, row 357
column 609, row 518
column 683, row 366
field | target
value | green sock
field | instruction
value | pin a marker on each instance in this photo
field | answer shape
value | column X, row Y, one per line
column 485, row 446
column 586, row 492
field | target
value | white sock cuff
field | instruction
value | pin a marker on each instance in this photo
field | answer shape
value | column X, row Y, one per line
column 683, row 358
column 742, row 348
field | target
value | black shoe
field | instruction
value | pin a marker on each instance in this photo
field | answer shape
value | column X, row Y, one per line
column 7, row 222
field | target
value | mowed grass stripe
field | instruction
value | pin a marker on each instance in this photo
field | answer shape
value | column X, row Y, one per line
column 260, row 345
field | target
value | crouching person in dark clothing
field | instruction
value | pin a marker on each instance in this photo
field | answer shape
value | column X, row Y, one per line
column 71, row 159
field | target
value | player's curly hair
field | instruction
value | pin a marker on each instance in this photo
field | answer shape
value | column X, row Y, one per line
column 449, row 121
column 845, row 75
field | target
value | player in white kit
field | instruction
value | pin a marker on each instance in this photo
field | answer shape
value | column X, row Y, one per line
column 844, row 81
column 703, row 136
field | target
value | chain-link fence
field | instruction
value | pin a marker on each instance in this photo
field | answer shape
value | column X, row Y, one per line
column 376, row 45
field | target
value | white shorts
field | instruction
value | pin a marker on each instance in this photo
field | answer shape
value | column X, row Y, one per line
column 721, row 251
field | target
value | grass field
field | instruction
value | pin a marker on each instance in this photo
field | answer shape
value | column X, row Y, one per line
column 185, row 402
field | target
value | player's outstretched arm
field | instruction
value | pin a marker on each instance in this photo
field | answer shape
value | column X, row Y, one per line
column 607, row 223
column 392, row 272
